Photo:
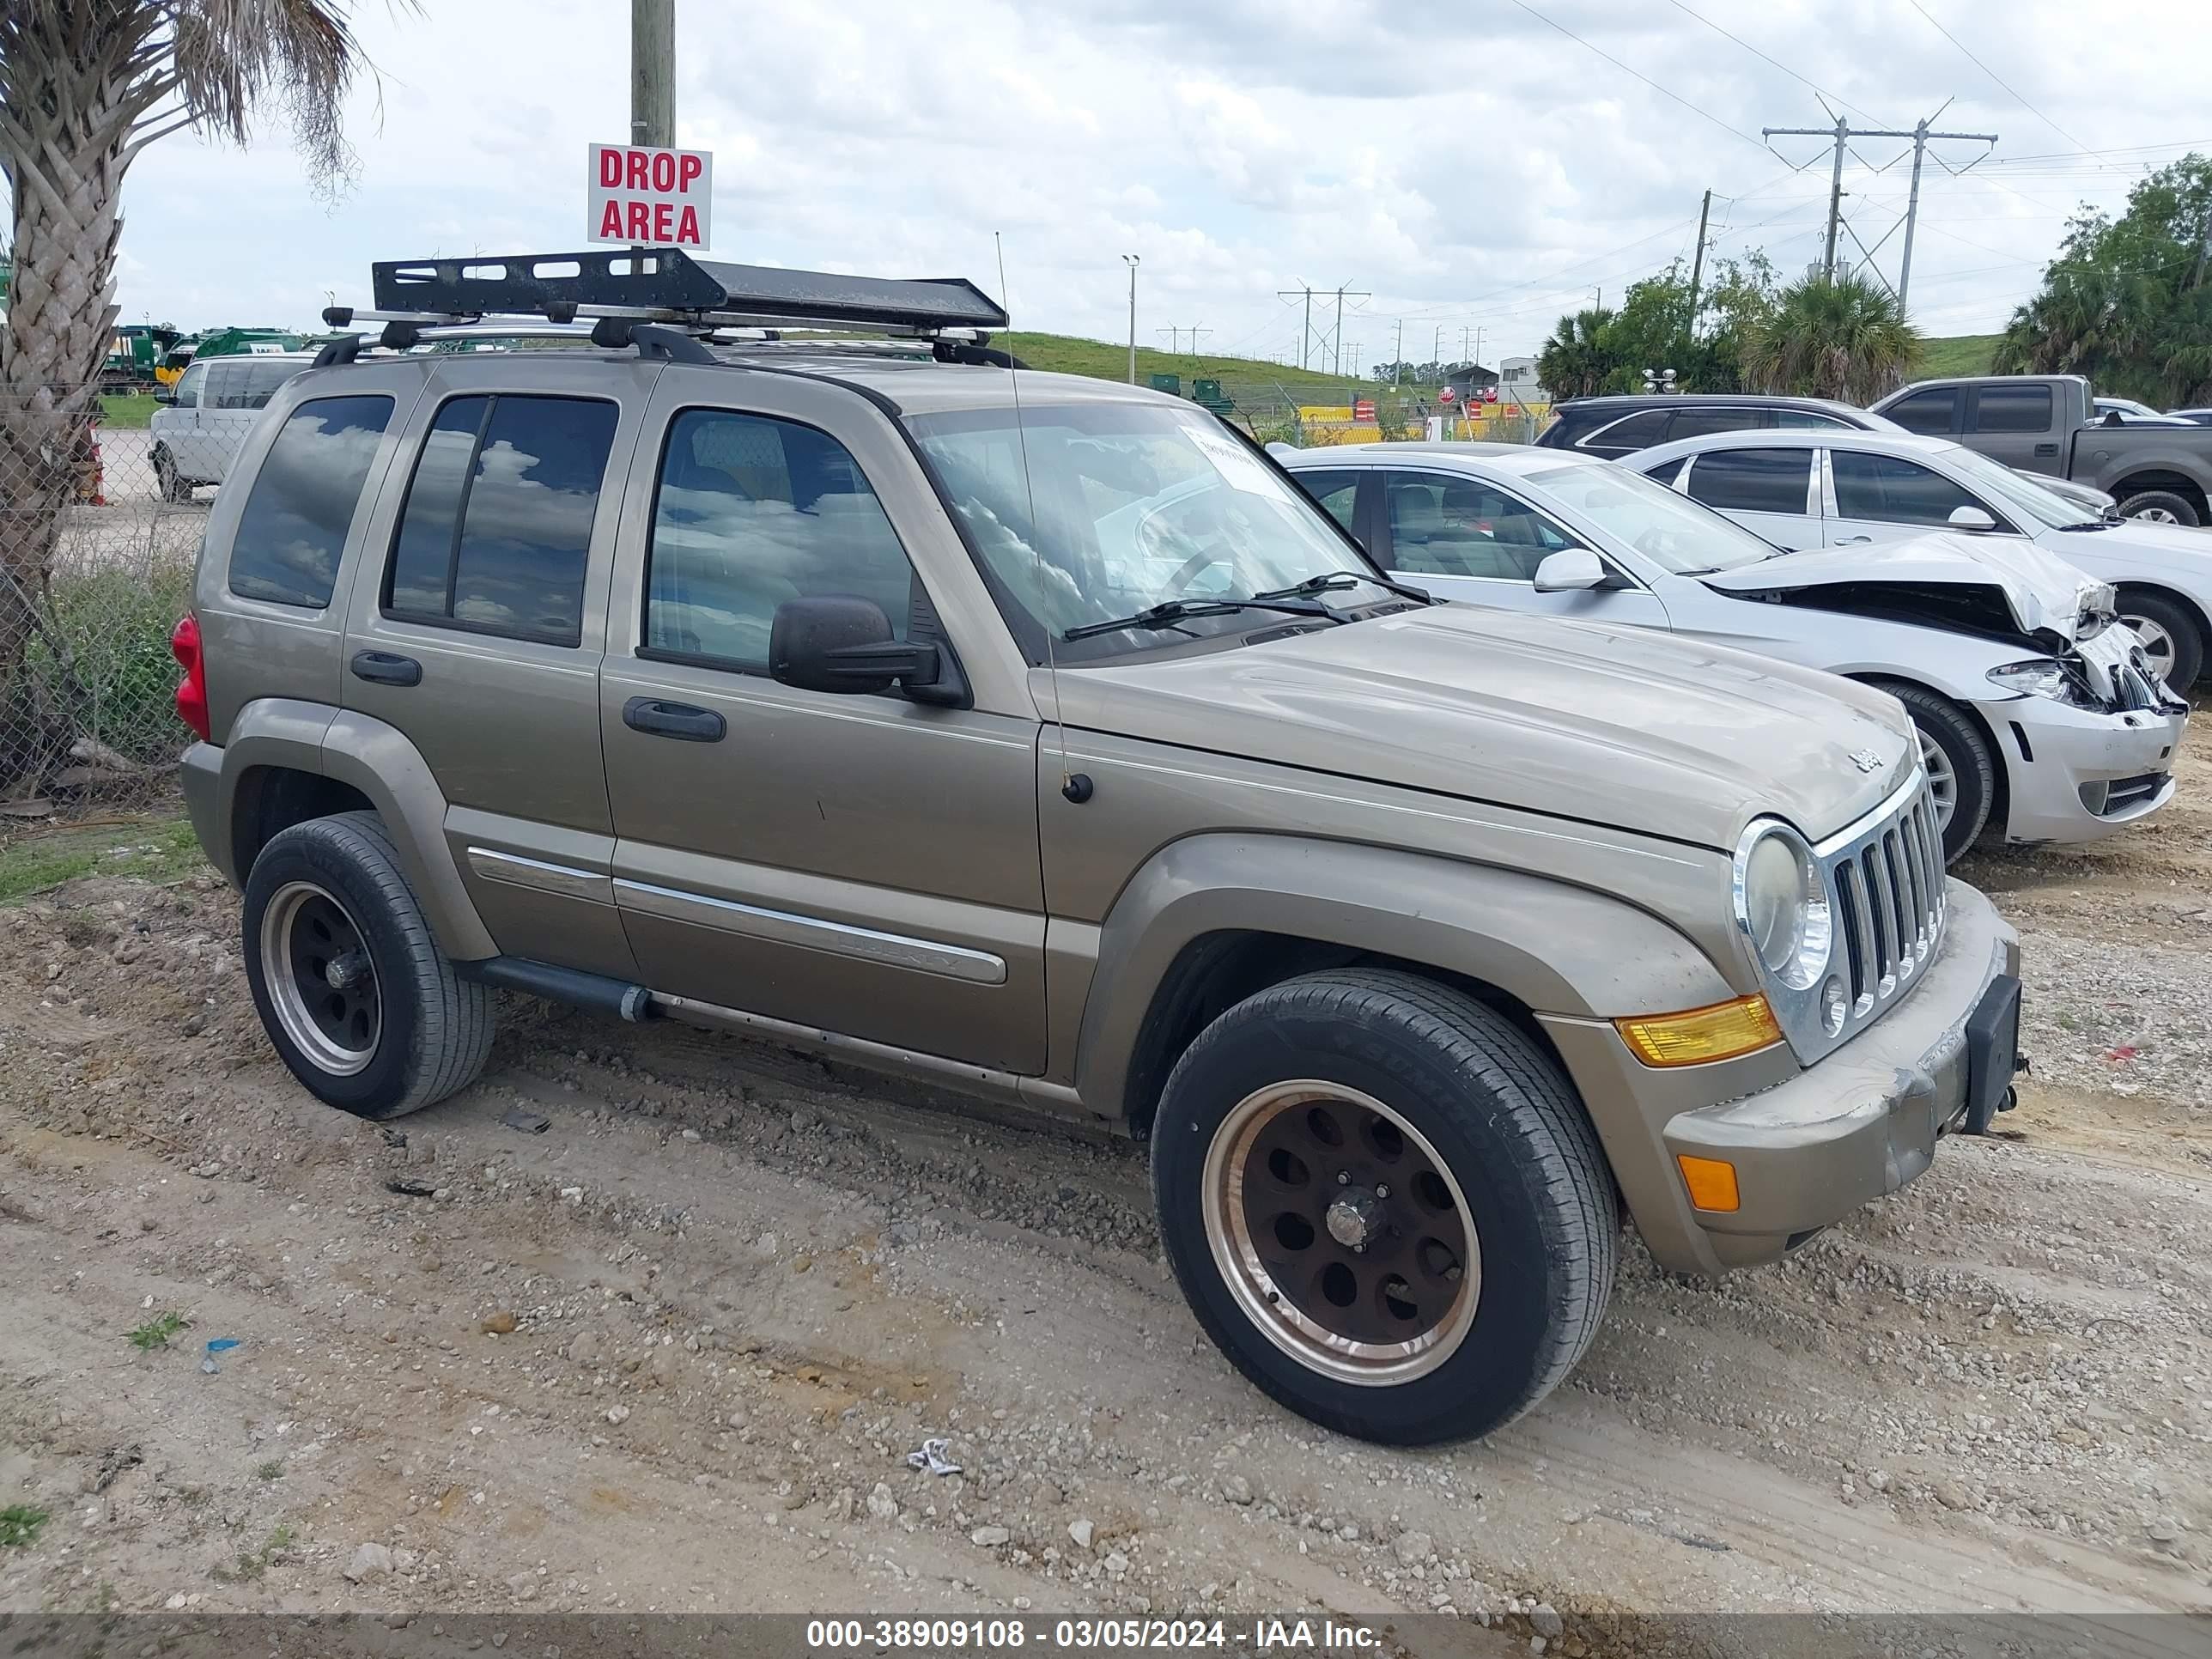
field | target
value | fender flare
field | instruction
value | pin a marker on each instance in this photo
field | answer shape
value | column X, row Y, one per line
column 378, row 760
column 1556, row 948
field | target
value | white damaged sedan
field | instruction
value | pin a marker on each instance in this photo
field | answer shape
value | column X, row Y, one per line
column 2039, row 718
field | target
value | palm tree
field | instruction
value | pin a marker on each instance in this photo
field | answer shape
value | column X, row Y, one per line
column 85, row 86
column 1846, row 338
column 1574, row 361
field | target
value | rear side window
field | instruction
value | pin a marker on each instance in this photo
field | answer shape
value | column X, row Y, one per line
column 1637, row 431
column 1752, row 480
column 1793, row 419
column 1891, row 491
column 1697, row 422
column 2013, row 408
column 751, row 512
column 497, row 528
column 1926, row 412
column 303, row 502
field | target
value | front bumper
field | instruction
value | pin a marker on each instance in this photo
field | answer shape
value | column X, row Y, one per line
column 2076, row 775
column 1864, row 1120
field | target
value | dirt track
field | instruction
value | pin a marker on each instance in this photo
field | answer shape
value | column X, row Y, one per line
column 744, row 1287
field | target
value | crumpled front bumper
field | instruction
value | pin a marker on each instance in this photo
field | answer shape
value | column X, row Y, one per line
column 2079, row 775
column 1864, row 1120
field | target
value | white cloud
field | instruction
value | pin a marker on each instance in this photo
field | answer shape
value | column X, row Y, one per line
column 1468, row 163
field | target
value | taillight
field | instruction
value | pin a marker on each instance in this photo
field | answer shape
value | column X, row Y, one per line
column 192, row 690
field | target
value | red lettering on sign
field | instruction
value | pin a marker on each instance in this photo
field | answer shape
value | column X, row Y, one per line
column 610, row 169
column 610, row 222
column 664, row 172
column 640, row 170
column 687, row 228
column 689, row 168
column 641, row 221
column 664, row 221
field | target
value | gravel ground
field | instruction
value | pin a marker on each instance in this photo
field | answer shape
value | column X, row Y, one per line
column 672, row 1352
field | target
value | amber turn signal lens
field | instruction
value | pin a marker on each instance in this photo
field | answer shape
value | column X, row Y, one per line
column 1720, row 1032
column 1711, row 1182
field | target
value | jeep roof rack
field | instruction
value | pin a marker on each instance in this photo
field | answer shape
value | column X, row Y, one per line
column 666, row 285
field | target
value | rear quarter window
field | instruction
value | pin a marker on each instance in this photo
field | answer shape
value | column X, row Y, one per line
column 302, row 501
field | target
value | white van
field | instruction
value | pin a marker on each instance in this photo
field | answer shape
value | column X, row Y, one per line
column 201, row 423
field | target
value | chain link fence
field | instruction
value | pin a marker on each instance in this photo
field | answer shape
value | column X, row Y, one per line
column 97, row 545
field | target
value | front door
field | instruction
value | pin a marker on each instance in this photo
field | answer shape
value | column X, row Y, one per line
column 863, row 865
column 1885, row 498
column 179, row 430
column 1463, row 537
column 1773, row 493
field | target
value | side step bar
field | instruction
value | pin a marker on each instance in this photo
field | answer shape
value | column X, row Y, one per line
column 596, row 992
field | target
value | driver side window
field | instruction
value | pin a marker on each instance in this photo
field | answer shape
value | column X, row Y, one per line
column 1444, row 524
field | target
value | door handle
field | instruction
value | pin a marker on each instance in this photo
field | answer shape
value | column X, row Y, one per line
column 1851, row 541
column 386, row 668
column 680, row 720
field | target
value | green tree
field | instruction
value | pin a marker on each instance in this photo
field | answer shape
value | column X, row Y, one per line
column 85, row 86
column 2128, row 302
column 1846, row 338
column 1579, row 357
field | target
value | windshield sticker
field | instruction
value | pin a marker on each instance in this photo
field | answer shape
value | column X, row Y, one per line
column 1239, row 468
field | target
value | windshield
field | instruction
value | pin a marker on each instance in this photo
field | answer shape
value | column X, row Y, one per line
column 1670, row 530
column 1134, row 505
column 2023, row 494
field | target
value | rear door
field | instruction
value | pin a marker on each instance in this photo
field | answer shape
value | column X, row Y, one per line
column 865, row 865
column 1881, row 498
column 1772, row 493
column 478, row 625
column 2013, row 425
column 1464, row 538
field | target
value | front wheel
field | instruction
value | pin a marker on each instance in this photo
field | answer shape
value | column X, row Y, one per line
column 2172, row 643
column 172, row 486
column 1385, row 1205
column 1961, row 772
column 356, row 997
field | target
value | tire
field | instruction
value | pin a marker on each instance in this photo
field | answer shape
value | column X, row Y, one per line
column 1489, row 1125
column 2161, row 507
column 174, row 487
column 400, row 1029
column 1950, row 743
column 2172, row 637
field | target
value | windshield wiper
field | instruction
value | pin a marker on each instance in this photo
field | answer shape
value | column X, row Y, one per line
column 1330, row 581
column 1169, row 612
column 2091, row 523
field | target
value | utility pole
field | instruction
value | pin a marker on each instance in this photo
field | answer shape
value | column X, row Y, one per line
column 1133, row 260
column 1175, row 339
column 1436, row 346
column 1305, row 328
column 1844, row 132
column 653, row 74
column 1398, row 374
column 1697, row 261
column 1479, row 331
column 1175, row 336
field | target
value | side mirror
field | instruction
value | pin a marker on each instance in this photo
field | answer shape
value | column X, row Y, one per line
column 839, row 642
column 163, row 395
column 1971, row 518
column 1572, row 569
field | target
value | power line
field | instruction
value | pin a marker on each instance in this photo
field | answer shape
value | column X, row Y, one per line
column 1777, row 62
column 2000, row 80
column 1693, row 108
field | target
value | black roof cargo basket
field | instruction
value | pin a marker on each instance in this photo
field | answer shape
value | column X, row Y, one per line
column 667, row 285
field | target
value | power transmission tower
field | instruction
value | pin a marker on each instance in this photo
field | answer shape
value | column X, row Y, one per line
column 1175, row 336
column 1328, row 346
column 1843, row 132
column 653, row 74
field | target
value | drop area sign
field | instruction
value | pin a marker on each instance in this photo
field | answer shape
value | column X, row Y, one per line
column 651, row 197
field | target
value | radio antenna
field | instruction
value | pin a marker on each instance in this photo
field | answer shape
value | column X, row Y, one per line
column 1036, row 534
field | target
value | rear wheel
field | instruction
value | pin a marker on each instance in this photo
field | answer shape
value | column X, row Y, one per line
column 1961, row 771
column 2170, row 639
column 356, row 997
column 2160, row 506
column 1384, row 1205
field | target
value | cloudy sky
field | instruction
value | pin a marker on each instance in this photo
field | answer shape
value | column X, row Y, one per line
column 1470, row 164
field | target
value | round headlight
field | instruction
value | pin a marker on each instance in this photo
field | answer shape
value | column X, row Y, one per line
column 1782, row 906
